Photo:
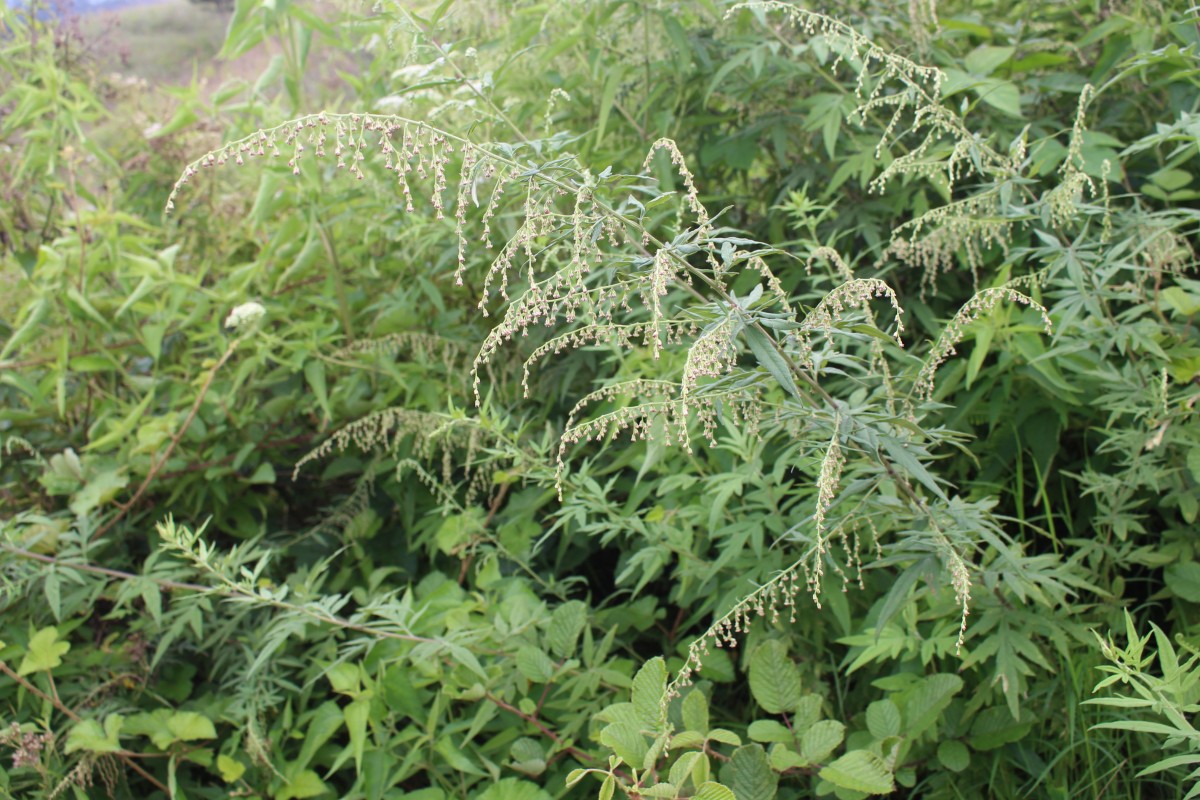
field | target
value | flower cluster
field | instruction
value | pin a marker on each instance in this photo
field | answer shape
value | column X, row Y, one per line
column 981, row 304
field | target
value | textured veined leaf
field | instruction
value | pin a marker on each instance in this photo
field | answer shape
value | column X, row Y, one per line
column 774, row 679
column 681, row 770
column 695, row 711
column 784, row 758
column 513, row 789
column 924, row 704
column 753, row 778
column 711, row 790
column 649, row 688
column 566, row 623
column 821, row 739
column 659, row 790
column 883, row 719
column 627, row 742
column 860, row 771
column 534, row 665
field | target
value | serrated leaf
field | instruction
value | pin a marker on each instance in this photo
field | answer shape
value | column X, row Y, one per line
column 860, row 771
column 752, row 776
column 821, row 739
column 695, row 711
column 649, row 688
column 883, row 719
column 783, row 758
column 566, row 623
column 710, row 790
column 774, row 679
column 627, row 742
column 808, row 711
column 954, row 755
column 925, row 703
column 535, row 665
column 681, row 770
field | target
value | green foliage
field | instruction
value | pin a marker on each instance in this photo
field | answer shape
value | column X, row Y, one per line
column 717, row 401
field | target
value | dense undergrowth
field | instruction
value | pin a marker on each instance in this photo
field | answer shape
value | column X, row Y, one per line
column 654, row 399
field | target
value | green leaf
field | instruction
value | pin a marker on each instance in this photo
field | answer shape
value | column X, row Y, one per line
column 99, row 489
column 356, row 715
column 860, row 771
column 534, row 665
column 768, row 730
column 1184, row 580
column 710, row 790
column 926, row 702
column 188, row 726
column 513, row 789
column 995, row 727
column 883, row 719
column 681, row 770
column 694, row 710
column 566, row 623
column 88, row 735
column 230, row 768
column 752, row 776
column 44, row 652
column 627, row 742
column 649, row 688
column 821, row 739
column 784, row 758
column 954, row 755
column 263, row 473
column 774, row 679
column 306, row 784
column 986, row 59
column 768, row 357
column 327, row 719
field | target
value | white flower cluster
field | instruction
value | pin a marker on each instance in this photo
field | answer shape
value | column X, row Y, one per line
column 245, row 315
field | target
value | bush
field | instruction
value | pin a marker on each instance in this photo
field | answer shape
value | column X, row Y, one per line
column 529, row 456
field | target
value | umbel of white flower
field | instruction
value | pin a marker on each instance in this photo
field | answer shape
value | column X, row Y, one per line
column 245, row 315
